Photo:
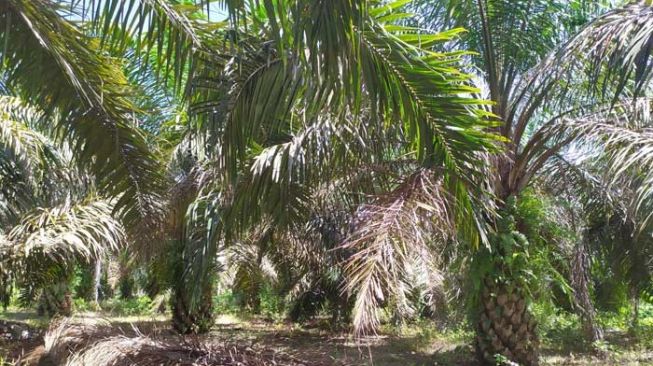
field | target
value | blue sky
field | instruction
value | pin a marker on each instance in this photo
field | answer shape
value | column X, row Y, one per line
column 215, row 13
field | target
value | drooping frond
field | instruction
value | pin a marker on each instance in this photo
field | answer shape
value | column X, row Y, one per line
column 47, row 242
column 418, row 98
column 162, row 34
column 614, row 49
column 201, row 243
column 617, row 135
column 630, row 152
column 32, row 167
column 388, row 236
column 53, row 65
column 445, row 125
column 30, row 149
column 565, row 176
column 281, row 176
column 84, row 231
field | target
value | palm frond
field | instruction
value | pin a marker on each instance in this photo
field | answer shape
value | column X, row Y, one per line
column 85, row 231
column 33, row 168
column 30, row 149
column 161, row 33
column 630, row 151
column 619, row 134
column 272, row 92
column 510, row 37
column 87, row 90
column 201, row 243
column 388, row 236
column 614, row 49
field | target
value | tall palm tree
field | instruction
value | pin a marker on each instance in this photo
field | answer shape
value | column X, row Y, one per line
column 532, row 61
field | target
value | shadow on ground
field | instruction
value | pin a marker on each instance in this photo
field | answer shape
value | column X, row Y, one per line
column 322, row 347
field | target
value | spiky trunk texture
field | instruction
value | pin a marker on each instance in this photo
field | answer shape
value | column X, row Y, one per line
column 188, row 319
column 506, row 329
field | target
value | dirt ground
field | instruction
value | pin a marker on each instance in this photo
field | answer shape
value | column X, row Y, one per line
column 322, row 347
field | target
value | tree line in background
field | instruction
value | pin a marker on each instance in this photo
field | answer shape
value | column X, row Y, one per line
column 365, row 157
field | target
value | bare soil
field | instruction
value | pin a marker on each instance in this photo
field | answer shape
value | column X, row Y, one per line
column 319, row 347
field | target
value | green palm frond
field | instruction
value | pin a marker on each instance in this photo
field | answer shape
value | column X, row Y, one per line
column 495, row 26
column 32, row 150
column 418, row 98
column 614, row 49
column 164, row 34
column 510, row 37
column 85, row 231
column 278, row 183
column 33, row 168
column 42, row 248
column 403, row 80
column 201, row 243
column 326, row 27
column 423, row 90
column 53, row 65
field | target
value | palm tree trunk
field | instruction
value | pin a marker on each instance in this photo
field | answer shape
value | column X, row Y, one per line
column 56, row 300
column 6, row 289
column 505, row 328
column 189, row 319
column 634, row 309
column 97, row 277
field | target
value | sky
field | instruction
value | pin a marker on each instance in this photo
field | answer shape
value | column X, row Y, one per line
column 215, row 11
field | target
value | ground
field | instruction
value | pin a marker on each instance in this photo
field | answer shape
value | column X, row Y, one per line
column 313, row 343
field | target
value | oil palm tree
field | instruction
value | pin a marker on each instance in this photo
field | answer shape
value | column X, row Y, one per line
column 332, row 125
column 553, row 81
column 41, row 251
column 291, row 89
column 195, row 222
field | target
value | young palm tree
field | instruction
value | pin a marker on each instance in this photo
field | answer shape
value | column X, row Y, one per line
column 194, row 225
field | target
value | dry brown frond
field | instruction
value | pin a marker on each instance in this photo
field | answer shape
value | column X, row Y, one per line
column 392, row 239
column 66, row 336
column 97, row 343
